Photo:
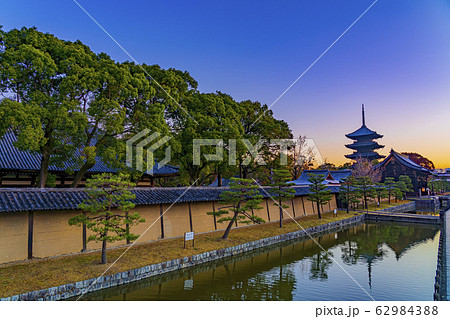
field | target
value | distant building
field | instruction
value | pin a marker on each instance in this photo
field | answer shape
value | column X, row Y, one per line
column 331, row 177
column 442, row 174
column 397, row 164
column 225, row 182
column 21, row 168
column 364, row 145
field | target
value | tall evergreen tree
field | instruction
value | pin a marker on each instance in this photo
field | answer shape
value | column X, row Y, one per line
column 389, row 183
column 318, row 192
column 381, row 192
column 366, row 190
column 347, row 191
column 281, row 190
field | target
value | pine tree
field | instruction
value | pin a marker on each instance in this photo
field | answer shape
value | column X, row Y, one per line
column 108, row 210
column 380, row 191
column 389, row 183
column 347, row 191
column 318, row 192
column 366, row 190
column 281, row 189
column 243, row 198
column 408, row 188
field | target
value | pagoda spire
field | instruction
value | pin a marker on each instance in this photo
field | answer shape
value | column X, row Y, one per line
column 363, row 117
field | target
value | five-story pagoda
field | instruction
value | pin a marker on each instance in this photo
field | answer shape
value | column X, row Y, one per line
column 364, row 144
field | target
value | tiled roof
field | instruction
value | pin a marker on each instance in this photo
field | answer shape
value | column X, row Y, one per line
column 364, row 145
column 225, row 182
column 370, row 155
column 33, row 199
column 11, row 158
column 403, row 160
column 336, row 176
column 364, row 131
column 340, row 174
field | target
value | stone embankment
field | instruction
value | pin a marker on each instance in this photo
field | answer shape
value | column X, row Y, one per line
column 94, row 284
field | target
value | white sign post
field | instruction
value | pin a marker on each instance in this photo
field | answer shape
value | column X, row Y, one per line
column 187, row 237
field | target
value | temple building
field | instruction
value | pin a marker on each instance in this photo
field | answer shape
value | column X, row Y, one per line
column 331, row 177
column 364, row 145
column 21, row 168
column 397, row 164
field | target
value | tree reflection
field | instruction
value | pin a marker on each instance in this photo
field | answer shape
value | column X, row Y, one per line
column 369, row 246
column 319, row 265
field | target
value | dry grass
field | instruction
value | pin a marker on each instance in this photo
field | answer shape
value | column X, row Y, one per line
column 44, row 273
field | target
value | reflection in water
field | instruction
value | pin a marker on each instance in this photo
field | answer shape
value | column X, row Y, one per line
column 391, row 261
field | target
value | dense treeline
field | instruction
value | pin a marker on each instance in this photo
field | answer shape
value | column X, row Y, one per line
column 59, row 96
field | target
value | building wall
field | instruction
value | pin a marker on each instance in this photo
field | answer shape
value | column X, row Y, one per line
column 53, row 236
column 13, row 236
column 151, row 215
column 202, row 222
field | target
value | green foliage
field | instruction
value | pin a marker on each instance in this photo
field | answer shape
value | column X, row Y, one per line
column 38, row 78
column 400, row 190
column 318, row 192
column 216, row 116
column 60, row 97
column 51, row 181
column 259, row 125
column 107, row 210
column 408, row 184
column 348, row 192
column 389, row 184
column 281, row 190
column 381, row 192
column 438, row 185
column 243, row 197
column 397, row 193
column 365, row 189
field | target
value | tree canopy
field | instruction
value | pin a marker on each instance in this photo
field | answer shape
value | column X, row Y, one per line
column 64, row 101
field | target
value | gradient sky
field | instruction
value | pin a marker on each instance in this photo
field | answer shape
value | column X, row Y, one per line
column 395, row 60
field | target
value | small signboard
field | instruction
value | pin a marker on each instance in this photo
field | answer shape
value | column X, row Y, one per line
column 187, row 237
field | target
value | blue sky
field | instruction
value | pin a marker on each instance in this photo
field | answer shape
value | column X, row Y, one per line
column 395, row 60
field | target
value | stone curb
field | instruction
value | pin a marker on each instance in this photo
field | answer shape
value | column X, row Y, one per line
column 440, row 281
column 94, row 284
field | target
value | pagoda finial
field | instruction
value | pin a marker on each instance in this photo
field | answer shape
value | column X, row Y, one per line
column 363, row 117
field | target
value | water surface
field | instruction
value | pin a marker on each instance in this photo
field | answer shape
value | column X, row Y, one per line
column 389, row 261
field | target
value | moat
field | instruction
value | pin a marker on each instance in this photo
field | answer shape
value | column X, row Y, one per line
column 388, row 261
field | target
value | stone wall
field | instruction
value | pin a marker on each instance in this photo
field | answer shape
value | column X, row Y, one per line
column 430, row 204
column 94, row 284
column 403, row 208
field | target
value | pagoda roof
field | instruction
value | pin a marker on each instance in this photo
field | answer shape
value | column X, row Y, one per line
column 403, row 160
column 363, row 131
column 371, row 155
column 369, row 144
